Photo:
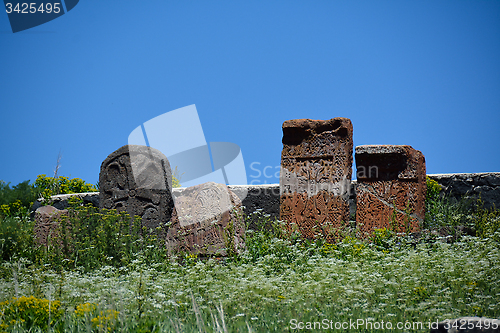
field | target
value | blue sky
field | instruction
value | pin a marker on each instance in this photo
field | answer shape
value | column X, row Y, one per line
column 421, row 73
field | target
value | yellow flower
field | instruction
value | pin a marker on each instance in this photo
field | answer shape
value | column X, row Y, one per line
column 105, row 319
column 5, row 210
column 83, row 309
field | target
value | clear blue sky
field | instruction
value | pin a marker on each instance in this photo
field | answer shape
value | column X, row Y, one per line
column 422, row 73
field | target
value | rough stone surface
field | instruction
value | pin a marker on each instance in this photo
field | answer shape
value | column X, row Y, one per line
column 391, row 188
column 203, row 219
column 472, row 185
column 262, row 199
column 46, row 223
column 315, row 178
column 467, row 325
column 138, row 180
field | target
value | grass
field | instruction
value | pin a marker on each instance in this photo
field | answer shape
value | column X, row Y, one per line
column 280, row 284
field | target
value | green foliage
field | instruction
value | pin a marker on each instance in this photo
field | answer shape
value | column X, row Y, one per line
column 48, row 186
column 88, row 315
column 16, row 201
column 486, row 222
column 16, row 237
column 383, row 238
column 91, row 238
column 266, row 236
column 351, row 279
column 433, row 189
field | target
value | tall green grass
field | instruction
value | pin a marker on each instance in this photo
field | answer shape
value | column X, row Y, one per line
column 354, row 280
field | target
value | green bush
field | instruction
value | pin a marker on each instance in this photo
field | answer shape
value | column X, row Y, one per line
column 486, row 222
column 48, row 186
column 17, row 201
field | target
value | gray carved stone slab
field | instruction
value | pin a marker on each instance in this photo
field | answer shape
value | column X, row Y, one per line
column 138, row 180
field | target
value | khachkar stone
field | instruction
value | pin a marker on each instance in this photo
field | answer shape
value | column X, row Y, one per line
column 47, row 222
column 391, row 187
column 316, row 168
column 207, row 220
column 138, row 180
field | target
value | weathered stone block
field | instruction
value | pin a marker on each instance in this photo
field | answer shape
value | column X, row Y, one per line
column 207, row 220
column 138, row 180
column 315, row 179
column 47, row 224
column 391, row 188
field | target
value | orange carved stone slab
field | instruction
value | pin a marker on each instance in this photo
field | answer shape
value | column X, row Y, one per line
column 316, row 168
column 391, row 188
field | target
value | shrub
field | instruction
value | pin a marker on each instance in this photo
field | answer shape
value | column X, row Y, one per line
column 433, row 189
column 382, row 238
column 486, row 222
column 15, row 201
column 46, row 187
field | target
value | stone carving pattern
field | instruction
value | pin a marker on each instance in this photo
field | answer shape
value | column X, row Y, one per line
column 201, row 220
column 315, row 177
column 137, row 179
column 396, row 198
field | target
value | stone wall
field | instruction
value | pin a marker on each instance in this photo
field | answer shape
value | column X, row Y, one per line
column 474, row 185
column 266, row 197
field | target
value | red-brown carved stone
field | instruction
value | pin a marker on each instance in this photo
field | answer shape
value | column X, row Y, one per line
column 207, row 220
column 391, row 188
column 47, row 224
column 316, row 168
column 138, row 180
